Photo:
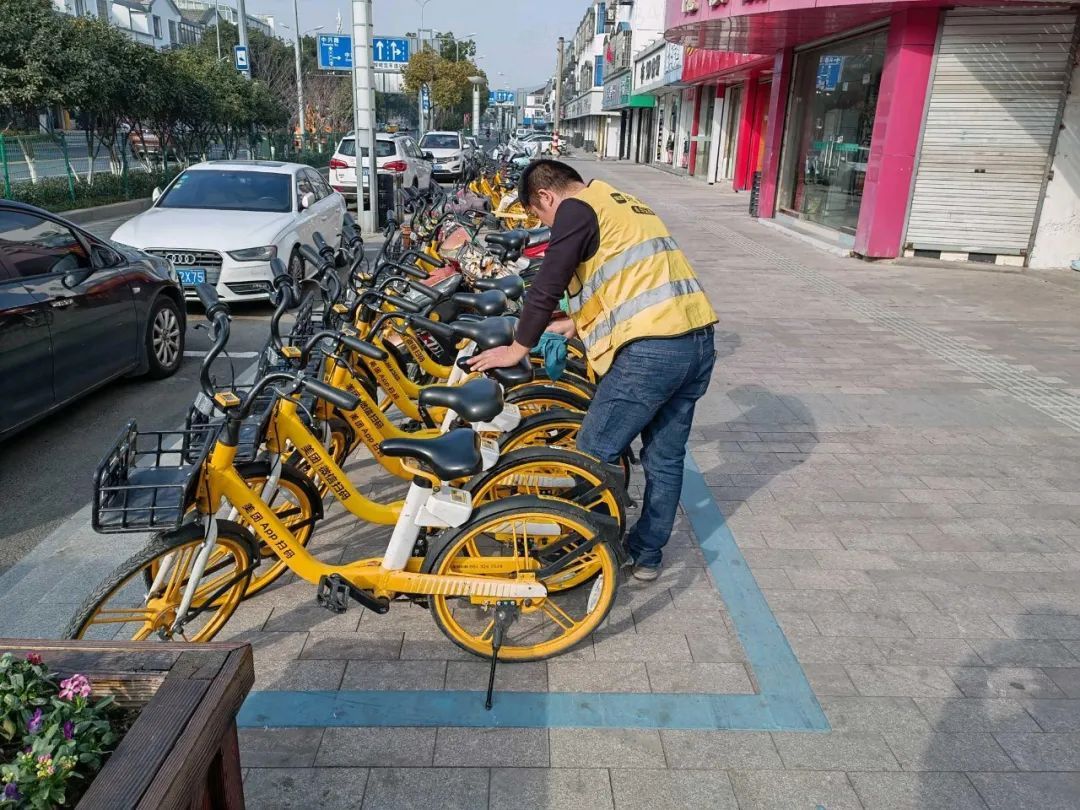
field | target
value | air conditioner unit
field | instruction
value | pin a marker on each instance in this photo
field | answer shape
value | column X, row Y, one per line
column 609, row 15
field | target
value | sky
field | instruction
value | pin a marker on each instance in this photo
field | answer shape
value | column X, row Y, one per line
column 514, row 37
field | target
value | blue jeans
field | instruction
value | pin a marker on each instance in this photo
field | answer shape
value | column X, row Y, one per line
column 651, row 390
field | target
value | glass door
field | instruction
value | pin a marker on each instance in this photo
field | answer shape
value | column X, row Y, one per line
column 827, row 143
column 734, row 98
column 704, row 138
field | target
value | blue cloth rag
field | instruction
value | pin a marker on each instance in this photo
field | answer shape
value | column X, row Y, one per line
column 552, row 347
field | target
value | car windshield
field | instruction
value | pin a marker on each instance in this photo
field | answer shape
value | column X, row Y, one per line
column 435, row 141
column 348, row 148
column 227, row 190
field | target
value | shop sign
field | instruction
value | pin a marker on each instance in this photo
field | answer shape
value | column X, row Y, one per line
column 648, row 70
column 689, row 6
column 617, row 92
column 673, row 62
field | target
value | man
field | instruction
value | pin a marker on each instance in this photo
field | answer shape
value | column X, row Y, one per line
column 646, row 324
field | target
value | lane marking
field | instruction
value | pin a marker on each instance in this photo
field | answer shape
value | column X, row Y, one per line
column 785, row 701
column 233, row 355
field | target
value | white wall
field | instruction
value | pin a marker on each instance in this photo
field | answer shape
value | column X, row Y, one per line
column 1057, row 240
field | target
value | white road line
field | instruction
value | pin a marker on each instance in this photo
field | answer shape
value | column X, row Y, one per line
column 234, row 355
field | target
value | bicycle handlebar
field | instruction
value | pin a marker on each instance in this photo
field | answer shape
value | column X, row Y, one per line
column 218, row 314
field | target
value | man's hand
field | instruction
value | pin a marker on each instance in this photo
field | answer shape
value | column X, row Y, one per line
column 499, row 357
column 564, row 327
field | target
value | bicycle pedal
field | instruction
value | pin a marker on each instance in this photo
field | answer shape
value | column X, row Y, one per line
column 335, row 591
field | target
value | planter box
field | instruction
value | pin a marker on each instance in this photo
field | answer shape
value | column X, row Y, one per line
column 182, row 750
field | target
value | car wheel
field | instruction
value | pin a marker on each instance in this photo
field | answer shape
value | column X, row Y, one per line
column 164, row 338
column 296, row 266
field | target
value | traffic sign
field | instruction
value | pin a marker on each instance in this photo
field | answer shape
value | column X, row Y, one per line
column 500, row 96
column 829, row 69
column 390, row 53
column 240, row 57
column 335, row 52
column 425, row 98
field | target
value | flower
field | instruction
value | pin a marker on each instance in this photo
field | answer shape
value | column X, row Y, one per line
column 34, row 658
column 11, row 792
column 69, row 729
column 45, row 766
column 75, row 686
column 68, row 763
column 33, row 725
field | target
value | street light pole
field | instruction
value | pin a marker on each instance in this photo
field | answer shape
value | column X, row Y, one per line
column 364, row 115
column 299, row 74
column 241, row 23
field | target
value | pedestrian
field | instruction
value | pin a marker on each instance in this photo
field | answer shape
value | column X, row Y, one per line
column 646, row 323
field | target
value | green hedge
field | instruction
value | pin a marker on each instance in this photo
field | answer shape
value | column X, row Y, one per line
column 54, row 193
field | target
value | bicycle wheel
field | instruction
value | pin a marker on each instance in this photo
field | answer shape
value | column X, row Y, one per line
column 526, row 534
column 568, row 381
column 552, row 428
column 123, row 607
column 537, row 397
column 295, row 502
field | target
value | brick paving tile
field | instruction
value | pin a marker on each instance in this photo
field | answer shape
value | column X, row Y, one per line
column 550, row 789
column 1006, row 682
column 720, row 749
column 1042, row 752
column 606, row 748
column 916, row 791
column 492, row 747
column 279, row 747
column 838, row 751
column 939, row 751
column 304, row 788
column 382, row 747
column 981, row 714
column 769, row 790
column 686, row 790
column 408, row 788
column 1046, row 791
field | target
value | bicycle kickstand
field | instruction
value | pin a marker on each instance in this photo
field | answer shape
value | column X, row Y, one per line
column 505, row 614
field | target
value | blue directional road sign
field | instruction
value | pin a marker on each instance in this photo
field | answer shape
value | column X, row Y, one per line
column 240, row 57
column 500, row 96
column 335, row 52
column 425, row 98
column 389, row 53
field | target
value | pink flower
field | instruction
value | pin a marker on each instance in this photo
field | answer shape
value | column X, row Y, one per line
column 75, row 686
column 34, row 658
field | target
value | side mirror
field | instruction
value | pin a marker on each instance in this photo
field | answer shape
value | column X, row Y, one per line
column 101, row 256
column 428, row 156
column 306, row 201
column 155, row 194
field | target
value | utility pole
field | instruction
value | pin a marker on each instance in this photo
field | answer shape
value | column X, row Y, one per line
column 241, row 24
column 476, row 82
column 299, row 76
column 217, row 27
column 556, row 114
column 364, row 115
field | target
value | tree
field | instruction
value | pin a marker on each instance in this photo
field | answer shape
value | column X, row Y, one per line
column 452, row 49
column 448, row 83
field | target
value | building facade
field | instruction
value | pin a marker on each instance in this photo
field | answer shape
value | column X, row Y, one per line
column 907, row 129
column 585, row 124
column 631, row 25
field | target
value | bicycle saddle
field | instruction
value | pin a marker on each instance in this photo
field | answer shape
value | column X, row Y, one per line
column 514, row 375
column 451, row 456
column 478, row 400
column 488, row 333
column 512, row 241
column 537, row 236
column 513, row 287
column 487, row 303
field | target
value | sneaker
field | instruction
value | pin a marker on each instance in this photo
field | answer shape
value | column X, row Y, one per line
column 646, row 573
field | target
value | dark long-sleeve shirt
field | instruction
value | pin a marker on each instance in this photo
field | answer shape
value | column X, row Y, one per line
column 575, row 238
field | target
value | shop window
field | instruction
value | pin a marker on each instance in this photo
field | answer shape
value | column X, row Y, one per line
column 598, row 72
column 827, row 139
column 601, row 17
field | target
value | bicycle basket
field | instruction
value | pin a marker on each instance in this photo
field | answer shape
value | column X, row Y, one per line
column 147, row 480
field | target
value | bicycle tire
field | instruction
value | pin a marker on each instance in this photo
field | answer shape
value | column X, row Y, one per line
column 537, row 397
column 554, row 428
column 488, row 519
column 159, row 546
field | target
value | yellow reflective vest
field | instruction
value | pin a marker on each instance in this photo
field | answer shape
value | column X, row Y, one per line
column 637, row 285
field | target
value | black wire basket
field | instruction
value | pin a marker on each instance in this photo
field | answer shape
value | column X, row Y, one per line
column 147, row 480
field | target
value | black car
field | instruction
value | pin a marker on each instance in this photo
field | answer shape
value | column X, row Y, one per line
column 77, row 311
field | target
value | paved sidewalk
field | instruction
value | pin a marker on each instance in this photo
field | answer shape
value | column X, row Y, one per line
column 897, row 454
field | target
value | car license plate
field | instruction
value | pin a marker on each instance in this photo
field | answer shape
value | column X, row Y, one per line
column 192, row 276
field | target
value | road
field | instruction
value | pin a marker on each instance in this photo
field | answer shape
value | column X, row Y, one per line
column 46, row 471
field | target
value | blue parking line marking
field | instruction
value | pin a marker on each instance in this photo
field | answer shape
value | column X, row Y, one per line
column 785, row 701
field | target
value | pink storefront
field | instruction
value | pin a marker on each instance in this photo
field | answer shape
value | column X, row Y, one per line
column 889, row 128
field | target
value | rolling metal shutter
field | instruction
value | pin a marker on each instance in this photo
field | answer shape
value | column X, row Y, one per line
column 994, row 108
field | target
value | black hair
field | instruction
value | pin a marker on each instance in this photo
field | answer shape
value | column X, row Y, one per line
column 550, row 174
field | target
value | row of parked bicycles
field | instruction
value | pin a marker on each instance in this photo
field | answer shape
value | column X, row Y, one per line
column 502, row 530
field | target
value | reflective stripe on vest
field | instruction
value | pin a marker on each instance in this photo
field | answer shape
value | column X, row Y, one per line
column 616, row 264
column 629, row 309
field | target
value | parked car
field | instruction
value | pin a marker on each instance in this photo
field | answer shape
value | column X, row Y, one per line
column 537, row 143
column 471, row 144
column 447, row 150
column 77, row 311
column 394, row 152
column 222, row 222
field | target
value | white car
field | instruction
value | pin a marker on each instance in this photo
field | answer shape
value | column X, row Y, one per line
column 536, row 143
column 222, row 222
column 394, row 153
column 447, row 149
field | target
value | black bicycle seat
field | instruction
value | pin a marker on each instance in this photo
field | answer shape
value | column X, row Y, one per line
column 478, row 400
column 488, row 333
column 487, row 303
column 512, row 241
column 513, row 287
column 537, row 236
column 451, row 456
column 514, row 375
